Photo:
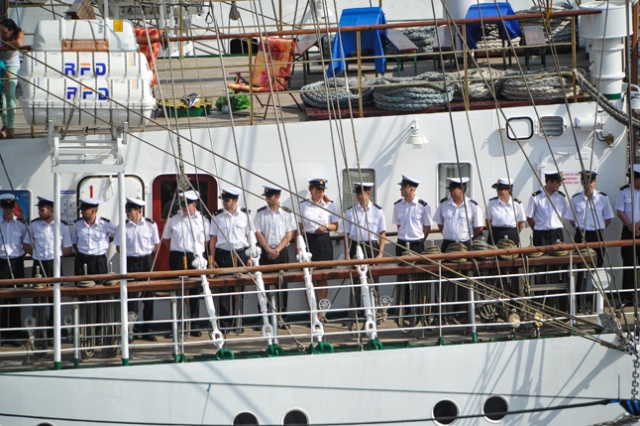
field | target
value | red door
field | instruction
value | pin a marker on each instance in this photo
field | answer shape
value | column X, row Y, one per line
column 165, row 203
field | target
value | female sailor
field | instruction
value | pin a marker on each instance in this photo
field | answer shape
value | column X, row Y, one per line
column 505, row 215
column 318, row 217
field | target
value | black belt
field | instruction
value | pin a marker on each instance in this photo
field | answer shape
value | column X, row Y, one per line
column 548, row 231
column 240, row 250
column 180, row 252
column 139, row 257
column 91, row 256
column 410, row 241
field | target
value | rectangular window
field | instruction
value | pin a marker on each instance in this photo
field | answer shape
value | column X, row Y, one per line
column 349, row 177
column 447, row 170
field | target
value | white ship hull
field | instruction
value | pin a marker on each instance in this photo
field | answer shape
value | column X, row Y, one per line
column 394, row 386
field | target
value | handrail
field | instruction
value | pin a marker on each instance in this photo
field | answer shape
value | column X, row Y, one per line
column 330, row 273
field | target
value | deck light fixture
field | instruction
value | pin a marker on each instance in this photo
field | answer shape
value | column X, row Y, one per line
column 416, row 138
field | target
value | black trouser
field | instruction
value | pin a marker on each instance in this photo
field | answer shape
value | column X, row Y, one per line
column 10, row 317
column 416, row 246
column 370, row 250
column 320, row 246
column 547, row 238
column 96, row 264
column 629, row 275
column 590, row 237
column 141, row 264
column 225, row 259
column 497, row 233
column 176, row 263
column 47, row 271
column 283, row 257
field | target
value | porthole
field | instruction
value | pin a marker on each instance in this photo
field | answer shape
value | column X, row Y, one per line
column 445, row 412
column 295, row 417
column 246, row 419
column 495, row 408
column 519, row 128
column 45, row 424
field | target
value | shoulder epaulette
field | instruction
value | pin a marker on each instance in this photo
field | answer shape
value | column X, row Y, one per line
column 263, row 208
column 494, row 198
column 304, row 201
column 444, row 199
column 77, row 220
column 329, row 201
column 423, row 202
column 474, row 202
column 242, row 209
column 127, row 221
column 379, row 208
column 64, row 222
column 149, row 220
column 350, row 207
column 625, row 186
column 535, row 194
column 561, row 193
column 105, row 219
column 575, row 195
column 286, row 209
column 517, row 201
column 19, row 219
column 397, row 201
column 217, row 212
column 603, row 193
column 35, row 220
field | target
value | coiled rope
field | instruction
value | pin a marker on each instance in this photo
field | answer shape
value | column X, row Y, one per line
column 537, row 86
column 315, row 94
column 504, row 244
column 478, row 83
column 457, row 248
column 417, row 93
column 482, row 245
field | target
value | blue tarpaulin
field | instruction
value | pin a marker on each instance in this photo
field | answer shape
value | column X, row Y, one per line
column 346, row 41
column 508, row 31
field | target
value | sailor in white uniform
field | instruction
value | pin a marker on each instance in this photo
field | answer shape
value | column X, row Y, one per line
column 412, row 216
column 40, row 245
column 275, row 227
column 184, row 232
column 364, row 224
column 505, row 214
column 590, row 213
column 91, row 236
column 230, row 228
column 13, row 237
column 318, row 217
column 143, row 241
column 546, row 209
column 628, row 211
column 459, row 218
column 42, row 231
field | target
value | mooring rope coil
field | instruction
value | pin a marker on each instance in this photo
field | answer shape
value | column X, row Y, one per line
column 479, row 82
column 315, row 94
column 457, row 248
column 417, row 93
column 532, row 85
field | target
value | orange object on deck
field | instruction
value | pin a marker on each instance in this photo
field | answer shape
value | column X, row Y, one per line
column 148, row 50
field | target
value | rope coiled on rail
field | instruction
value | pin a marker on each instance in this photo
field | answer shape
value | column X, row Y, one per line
column 457, row 248
column 482, row 245
column 504, row 244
